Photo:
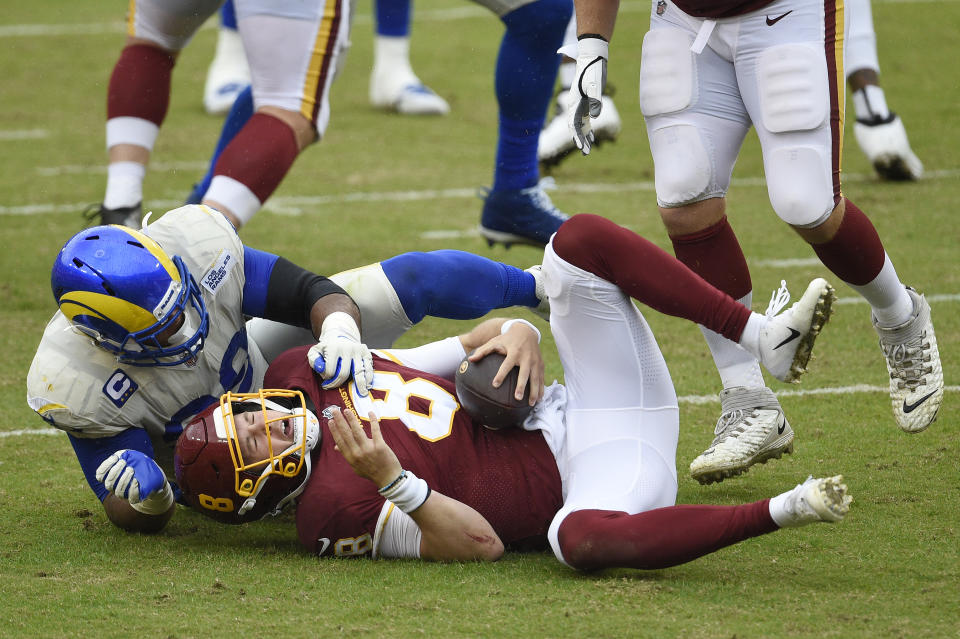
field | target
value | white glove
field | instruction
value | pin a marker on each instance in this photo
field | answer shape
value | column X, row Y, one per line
column 339, row 354
column 587, row 88
column 134, row 476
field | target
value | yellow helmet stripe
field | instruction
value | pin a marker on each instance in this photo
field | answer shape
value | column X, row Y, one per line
column 151, row 245
column 131, row 317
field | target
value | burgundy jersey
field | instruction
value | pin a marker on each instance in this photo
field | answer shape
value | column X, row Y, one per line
column 722, row 9
column 508, row 476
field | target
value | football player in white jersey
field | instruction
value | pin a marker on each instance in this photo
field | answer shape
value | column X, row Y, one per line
column 711, row 70
column 152, row 328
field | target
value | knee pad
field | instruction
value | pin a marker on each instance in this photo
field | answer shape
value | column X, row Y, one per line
column 792, row 83
column 683, row 167
column 667, row 73
column 799, row 184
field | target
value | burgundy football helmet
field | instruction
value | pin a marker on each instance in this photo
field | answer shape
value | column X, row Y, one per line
column 215, row 478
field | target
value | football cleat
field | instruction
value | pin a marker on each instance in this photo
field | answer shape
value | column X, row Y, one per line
column 228, row 74
column 885, row 144
column 787, row 339
column 556, row 140
column 913, row 362
column 98, row 214
column 543, row 309
column 751, row 430
column 812, row 501
column 404, row 94
column 521, row 216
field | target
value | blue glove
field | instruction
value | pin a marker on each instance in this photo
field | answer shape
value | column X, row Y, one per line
column 131, row 475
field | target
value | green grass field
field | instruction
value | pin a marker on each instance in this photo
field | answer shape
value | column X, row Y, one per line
column 380, row 185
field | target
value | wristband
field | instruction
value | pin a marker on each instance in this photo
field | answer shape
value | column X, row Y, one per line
column 157, row 503
column 506, row 327
column 407, row 491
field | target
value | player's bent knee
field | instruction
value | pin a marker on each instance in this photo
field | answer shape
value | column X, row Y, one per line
column 666, row 74
column 584, row 233
column 584, row 540
column 799, row 185
column 792, row 81
column 683, row 168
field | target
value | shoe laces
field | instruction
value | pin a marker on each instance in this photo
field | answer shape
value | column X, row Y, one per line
column 906, row 362
column 737, row 418
column 778, row 300
column 540, row 199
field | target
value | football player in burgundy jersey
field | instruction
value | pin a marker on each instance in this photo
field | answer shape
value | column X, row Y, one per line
column 155, row 325
column 403, row 472
column 710, row 71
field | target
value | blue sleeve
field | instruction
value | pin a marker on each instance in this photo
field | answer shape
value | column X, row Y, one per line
column 456, row 284
column 257, row 267
column 92, row 451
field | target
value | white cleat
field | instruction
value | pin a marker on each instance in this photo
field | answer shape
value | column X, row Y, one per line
column 405, row 94
column 543, row 309
column 556, row 140
column 812, row 501
column 913, row 361
column 752, row 429
column 228, row 74
column 787, row 339
column 886, row 146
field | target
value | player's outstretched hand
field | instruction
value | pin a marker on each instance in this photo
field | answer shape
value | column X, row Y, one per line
column 587, row 89
column 131, row 475
column 339, row 354
column 370, row 457
column 520, row 345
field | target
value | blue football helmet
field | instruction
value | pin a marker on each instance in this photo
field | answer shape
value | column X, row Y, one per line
column 119, row 287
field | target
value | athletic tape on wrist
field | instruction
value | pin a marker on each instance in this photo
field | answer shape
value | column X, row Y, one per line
column 506, row 327
column 407, row 492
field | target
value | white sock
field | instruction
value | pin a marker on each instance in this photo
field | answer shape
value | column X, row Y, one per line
column 124, row 184
column 391, row 57
column 870, row 103
column 887, row 296
column 750, row 340
column 777, row 511
column 736, row 366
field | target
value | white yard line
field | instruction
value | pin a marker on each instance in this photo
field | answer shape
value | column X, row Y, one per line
column 23, row 134
column 683, row 399
column 305, row 204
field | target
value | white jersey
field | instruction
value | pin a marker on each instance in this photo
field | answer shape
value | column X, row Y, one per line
column 81, row 388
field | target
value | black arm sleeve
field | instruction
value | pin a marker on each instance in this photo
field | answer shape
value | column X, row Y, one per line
column 292, row 292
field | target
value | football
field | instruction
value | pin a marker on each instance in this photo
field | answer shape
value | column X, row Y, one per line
column 495, row 408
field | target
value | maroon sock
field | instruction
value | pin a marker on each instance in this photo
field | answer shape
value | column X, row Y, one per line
column 140, row 84
column 647, row 273
column 715, row 255
column 260, row 155
column 594, row 539
column 855, row 254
